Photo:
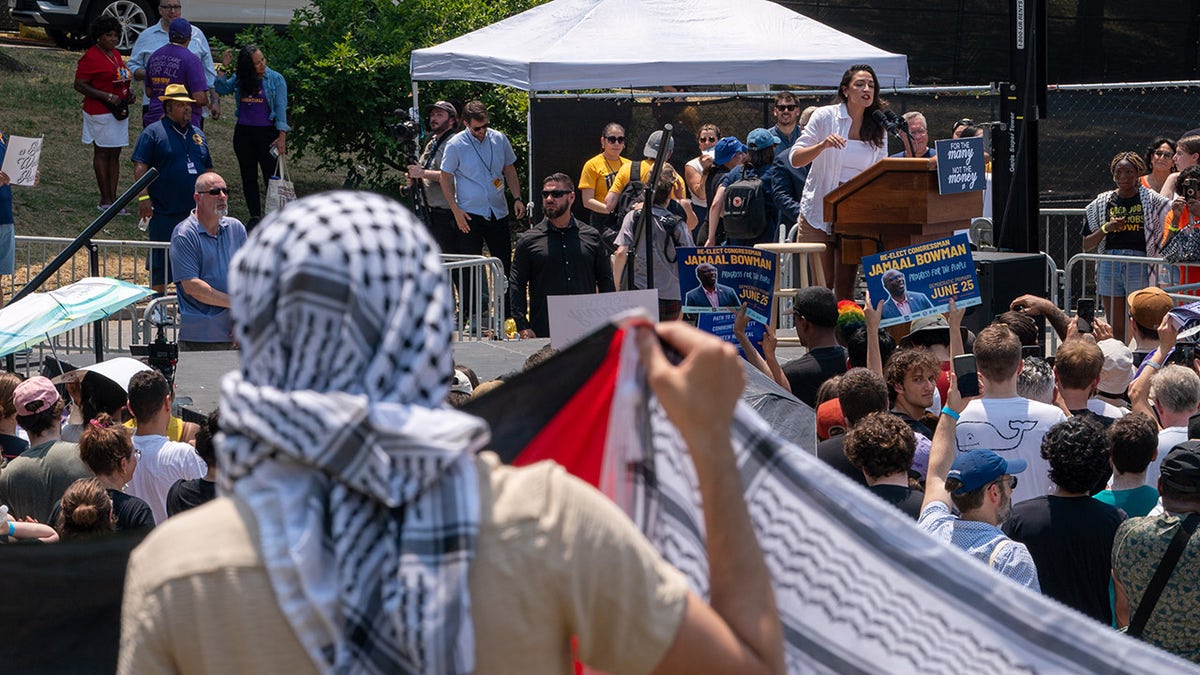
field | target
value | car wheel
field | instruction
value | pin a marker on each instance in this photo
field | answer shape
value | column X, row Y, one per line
column 133, row 15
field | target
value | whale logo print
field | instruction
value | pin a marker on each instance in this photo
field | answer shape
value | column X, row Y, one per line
column 986, row 436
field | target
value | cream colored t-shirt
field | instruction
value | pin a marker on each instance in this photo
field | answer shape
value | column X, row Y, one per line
column 555, row 558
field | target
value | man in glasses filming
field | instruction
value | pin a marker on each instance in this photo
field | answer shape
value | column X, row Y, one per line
column 201, row 248
column 558, row 256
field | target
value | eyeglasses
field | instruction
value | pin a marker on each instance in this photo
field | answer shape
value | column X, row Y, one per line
column 557, row 194
column 217, row 191
column 964, row 122
column 785, row 108
column 708, row 139
column 1012, row 482
column 615, row 139
column 1164, row 153
column 171, row 8
column 481, row 127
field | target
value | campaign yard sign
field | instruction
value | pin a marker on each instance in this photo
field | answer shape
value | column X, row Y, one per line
column 717, row 279
column 721, row 325
column 961, row 166
column 920, row 280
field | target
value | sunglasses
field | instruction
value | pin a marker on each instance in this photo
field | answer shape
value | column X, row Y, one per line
column 1164, row 153
column 708, row 139
column 481, row 127
column 1012, row 482
column 217, row 191
column 171, row 8
column 557, row 194
column 615, row 139
column 964, row 122
column 785, row 108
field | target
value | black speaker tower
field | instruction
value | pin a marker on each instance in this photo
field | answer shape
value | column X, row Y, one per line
column 1022, row 104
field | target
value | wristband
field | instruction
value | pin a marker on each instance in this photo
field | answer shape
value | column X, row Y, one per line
column 1152, row 364
column 947, row 411
column 143, row 198
column 12, row 529
column 1104, row 228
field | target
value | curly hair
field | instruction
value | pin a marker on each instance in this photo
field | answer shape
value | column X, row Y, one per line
column 997, row 352
column 860, row 393
column 1078, row 363
column 102, row 25
column 1078, row 452
column 881, row 445
column 86, row 510
column 1134, row 440
column 907, row 361
column 104, row 444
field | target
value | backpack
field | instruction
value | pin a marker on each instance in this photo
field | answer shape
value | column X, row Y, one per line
column 745, row 207
column 633, row 193
column 663, row 227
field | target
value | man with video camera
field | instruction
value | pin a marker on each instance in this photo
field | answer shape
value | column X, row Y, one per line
column 442, row 118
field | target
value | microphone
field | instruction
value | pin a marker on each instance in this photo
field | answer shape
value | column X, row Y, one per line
column 884, row 121
column 897, row 121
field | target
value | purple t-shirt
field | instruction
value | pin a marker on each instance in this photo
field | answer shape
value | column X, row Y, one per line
column 253, row 111
column 173, row 64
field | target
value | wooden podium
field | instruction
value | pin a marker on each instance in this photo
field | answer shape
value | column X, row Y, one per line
column 896, row 203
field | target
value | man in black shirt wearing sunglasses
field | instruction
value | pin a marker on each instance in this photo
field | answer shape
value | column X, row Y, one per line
column 558, row 256
column 201, row 248
column 786, row 129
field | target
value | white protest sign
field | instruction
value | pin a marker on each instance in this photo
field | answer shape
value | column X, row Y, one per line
column 575, row 316
column 21, row 160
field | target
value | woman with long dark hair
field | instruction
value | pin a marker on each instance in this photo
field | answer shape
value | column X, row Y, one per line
column 261, row 131
column 103, row 79
column 1160, row 162
column 840, row 141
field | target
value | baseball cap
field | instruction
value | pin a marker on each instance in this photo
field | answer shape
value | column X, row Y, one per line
column 444, row 105
column 761, row 138
column 830, row 419
column 932, row 324
column 34, row 395
column 977, row 468
column 1118, row 366
column 180, row 29
column 1149, row 305
column 654, row 143
column 726, row 148
column 1180, row 471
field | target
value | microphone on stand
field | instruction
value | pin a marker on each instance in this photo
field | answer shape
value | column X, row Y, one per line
column 884, row 121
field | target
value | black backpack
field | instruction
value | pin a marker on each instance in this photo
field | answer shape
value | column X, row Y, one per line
column 633, row 193
column 745, row 207
column 661, row 226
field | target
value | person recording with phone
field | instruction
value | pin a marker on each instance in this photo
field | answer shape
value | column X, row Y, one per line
column 442, row 120
column 1126, row 221
column 1184, row 214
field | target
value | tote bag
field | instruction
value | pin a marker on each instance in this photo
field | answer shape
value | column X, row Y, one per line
column 280, row 190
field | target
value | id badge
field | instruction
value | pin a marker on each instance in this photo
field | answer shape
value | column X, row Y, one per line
column 498, row 184
column 191, row 167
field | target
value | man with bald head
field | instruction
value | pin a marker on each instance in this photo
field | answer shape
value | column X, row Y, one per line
column 201, row 248
column 709, row 293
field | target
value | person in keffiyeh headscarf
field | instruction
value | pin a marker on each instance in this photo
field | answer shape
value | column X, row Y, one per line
column 360, row 530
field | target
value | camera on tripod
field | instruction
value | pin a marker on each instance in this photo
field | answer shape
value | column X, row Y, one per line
column 161, row 354
column 406, row 131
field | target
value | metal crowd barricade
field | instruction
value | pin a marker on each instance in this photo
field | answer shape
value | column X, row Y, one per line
column 120, row 259
column 480, row 290
column 1086, row 262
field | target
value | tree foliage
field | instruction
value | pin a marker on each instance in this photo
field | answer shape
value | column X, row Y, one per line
column 346, row 63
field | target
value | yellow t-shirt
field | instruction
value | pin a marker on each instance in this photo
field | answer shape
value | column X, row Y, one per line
column 622, row 178
column 174, row 428
column 599, row 173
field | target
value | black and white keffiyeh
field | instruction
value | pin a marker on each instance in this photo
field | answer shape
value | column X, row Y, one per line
column 363, row 486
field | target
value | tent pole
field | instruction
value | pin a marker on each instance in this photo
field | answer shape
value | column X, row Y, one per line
column 529, row 139
column 416, row 104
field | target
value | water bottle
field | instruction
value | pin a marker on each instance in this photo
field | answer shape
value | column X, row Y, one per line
column 144, row 224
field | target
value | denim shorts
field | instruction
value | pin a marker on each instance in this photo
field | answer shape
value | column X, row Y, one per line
column 1119, row 279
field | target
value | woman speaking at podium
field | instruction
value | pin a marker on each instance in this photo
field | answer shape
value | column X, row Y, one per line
column 840, row 141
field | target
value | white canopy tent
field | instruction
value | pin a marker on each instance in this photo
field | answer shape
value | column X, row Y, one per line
column 568, row 45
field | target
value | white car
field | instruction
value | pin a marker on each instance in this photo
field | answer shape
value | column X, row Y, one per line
column 67, row 21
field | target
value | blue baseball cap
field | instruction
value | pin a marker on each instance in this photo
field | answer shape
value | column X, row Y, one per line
column 760, row 139
column 726, row 148
column 977, row 468
column 180, row 29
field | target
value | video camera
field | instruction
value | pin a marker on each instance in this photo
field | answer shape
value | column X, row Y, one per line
column 406, row 131
column 161, row 354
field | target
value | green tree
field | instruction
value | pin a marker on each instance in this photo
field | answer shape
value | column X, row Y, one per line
column 346, row 65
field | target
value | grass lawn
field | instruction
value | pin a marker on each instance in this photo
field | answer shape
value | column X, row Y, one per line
column 42, row 102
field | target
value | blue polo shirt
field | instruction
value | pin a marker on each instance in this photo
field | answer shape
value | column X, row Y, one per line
column 476, row 167
column 196, row 254
column 180, row 155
